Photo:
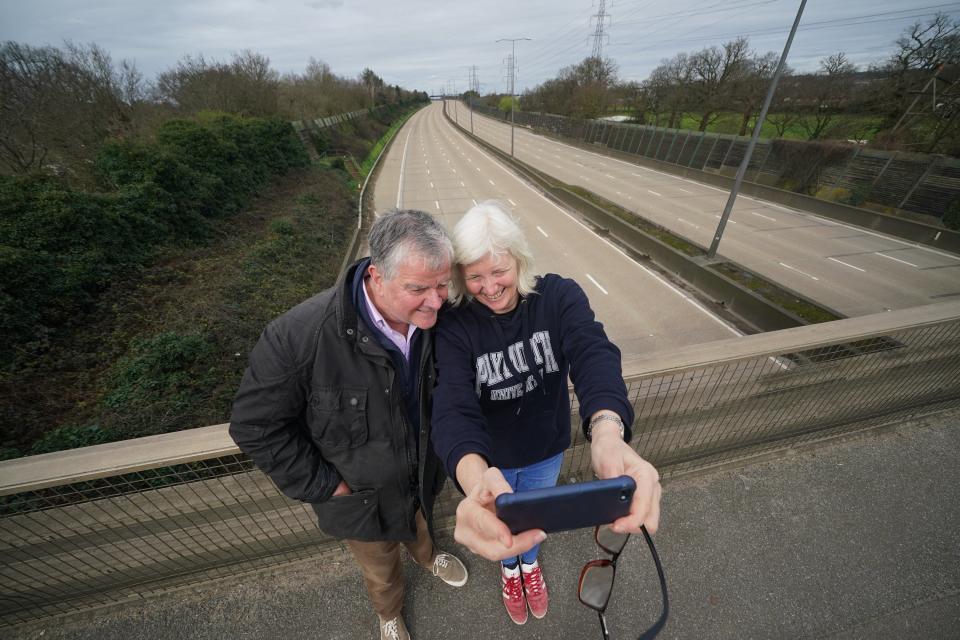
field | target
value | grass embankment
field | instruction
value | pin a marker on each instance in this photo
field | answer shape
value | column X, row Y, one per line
column 163, row 348
column 841, row 126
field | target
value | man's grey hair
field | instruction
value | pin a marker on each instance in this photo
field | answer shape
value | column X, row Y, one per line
column 400, row 235
column 489, row 230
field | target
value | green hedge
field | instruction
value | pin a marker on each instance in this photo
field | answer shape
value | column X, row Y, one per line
column 59, row 247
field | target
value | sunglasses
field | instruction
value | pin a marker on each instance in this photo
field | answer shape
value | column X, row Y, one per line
column 597, row 576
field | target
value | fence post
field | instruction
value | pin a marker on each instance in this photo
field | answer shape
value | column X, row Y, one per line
column 846, row 167
column 656, row 154
column 934, row 160
column 727, row 154
column 703, row 134
column 646, row 152
column 686, row 139
column 715, row 141
column 764, row 163
column 676, row 135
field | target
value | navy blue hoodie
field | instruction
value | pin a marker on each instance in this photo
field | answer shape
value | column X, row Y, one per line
column 490, row 401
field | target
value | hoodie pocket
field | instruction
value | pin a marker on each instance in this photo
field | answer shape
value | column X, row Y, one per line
column 338, row 417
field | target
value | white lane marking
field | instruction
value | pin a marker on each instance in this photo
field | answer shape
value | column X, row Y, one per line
column 478, row 169
column 454, row 170
column 543, row 232
column 653, row 193
column 763, row 216
column 474, row 202
column 436, row 203
column 605, row 292
column 461, row 184
column 846, row 265
column 783, row 264
column 491, row 182
column 579, row 165
column 728, row 219
column 428, row 171
column 652, row 274
column 511, row 202
column 403, row 160
column 684, row 190
column 609, row 176
column 696, row 226
column 883, row 255
column 431, row 185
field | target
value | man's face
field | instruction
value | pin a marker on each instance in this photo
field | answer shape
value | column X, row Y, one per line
column 414, row 294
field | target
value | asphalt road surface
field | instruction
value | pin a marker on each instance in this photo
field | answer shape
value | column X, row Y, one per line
column 433, row 167
column 852, row 270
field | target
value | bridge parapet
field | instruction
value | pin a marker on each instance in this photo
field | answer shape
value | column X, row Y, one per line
column 116, row 521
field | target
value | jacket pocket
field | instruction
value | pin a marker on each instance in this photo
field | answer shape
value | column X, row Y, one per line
column 356, row 516
column 338, row 417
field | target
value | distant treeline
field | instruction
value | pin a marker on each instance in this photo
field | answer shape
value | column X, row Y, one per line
column 911, row 94
column 57, row 105
column 60, row 246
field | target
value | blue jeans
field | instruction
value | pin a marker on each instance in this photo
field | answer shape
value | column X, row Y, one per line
column 534, row 476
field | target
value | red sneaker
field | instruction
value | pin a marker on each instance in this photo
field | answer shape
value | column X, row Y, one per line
column 513, row 598
column 535, row 589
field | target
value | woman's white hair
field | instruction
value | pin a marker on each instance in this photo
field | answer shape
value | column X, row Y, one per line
column 488, row 230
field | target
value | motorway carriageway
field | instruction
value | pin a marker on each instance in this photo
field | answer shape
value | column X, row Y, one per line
column 852, row 270
column 432, row 166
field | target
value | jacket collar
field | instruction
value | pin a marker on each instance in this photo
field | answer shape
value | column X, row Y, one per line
column 347, row 318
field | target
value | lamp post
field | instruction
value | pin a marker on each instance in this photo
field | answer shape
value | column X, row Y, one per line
column 513, row 75
column 753, row 139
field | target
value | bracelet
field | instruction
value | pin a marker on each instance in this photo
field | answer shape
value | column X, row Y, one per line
column 601, row 417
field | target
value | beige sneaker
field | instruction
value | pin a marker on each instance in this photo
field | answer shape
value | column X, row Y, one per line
column 448, row 568
column 393, row 629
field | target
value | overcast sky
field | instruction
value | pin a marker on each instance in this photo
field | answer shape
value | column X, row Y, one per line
column 429, row 45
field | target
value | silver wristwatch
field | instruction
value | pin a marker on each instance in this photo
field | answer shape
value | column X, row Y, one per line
column 601, row 418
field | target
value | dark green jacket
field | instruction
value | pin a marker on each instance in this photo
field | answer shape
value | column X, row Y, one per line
column 321, row 401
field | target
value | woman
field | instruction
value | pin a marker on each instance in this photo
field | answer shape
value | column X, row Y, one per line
column 501, row 411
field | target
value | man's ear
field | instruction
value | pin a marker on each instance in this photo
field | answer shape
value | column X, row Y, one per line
column 376, row 278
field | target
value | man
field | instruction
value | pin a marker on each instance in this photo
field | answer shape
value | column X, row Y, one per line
column 335, row 407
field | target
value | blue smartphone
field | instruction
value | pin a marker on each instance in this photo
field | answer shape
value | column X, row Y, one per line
column 568, row 506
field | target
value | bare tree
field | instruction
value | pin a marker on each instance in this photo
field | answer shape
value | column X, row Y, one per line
column 57, row 105
column 926, row 62
column 831, row 95
column 714, row 71
column 750, row 87
column 246, row 85
column 669, row 88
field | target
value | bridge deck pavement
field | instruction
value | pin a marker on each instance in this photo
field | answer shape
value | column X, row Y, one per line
column 856, row 538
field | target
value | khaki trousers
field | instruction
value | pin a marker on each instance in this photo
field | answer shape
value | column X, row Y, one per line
column 383, row 570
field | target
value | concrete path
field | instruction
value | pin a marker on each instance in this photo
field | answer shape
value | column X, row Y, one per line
column 859, row 538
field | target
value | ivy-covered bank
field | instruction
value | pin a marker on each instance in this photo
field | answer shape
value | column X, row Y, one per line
column 130, row 311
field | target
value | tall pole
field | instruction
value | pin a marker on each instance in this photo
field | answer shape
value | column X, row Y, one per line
column 513, row 76
column 753, row 139
column 473, row 82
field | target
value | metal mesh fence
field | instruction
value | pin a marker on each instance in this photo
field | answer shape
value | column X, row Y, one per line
column 849, row 174
column 83, row 544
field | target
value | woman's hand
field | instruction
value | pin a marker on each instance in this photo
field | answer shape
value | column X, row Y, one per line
column 612, row 457
column 478, row 528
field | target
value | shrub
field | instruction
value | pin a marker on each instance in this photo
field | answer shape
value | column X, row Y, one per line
column 60, row 247
column 165, row 366
column 69, row 437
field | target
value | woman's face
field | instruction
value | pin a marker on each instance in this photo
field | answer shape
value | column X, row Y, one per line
column 493, row 281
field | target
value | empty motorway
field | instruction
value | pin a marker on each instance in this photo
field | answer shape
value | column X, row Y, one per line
column 433, row 167
column 852, row 270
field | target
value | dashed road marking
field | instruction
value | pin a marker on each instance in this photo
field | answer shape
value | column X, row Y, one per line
column 883, row 255
column 783, row 264
column 543, row 232
column 846, row 265
column 605, row 292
